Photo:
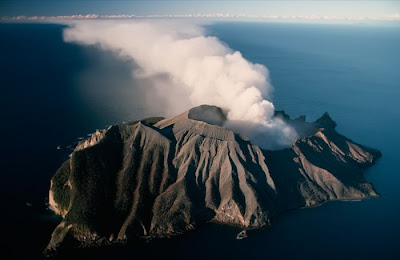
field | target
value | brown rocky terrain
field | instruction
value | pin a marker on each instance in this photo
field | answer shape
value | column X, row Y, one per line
column 160, row 177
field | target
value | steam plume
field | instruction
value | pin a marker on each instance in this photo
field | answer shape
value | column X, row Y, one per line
column 188, row 68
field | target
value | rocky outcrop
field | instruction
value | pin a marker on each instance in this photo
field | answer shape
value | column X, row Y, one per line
column 162, row 177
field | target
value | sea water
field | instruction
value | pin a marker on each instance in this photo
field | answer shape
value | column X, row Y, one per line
column 52, row 93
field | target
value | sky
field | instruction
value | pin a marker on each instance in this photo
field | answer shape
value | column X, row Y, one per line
column 289, row 8
column 362, row 9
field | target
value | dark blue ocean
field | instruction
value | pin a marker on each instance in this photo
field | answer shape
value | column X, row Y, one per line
column 52, row 93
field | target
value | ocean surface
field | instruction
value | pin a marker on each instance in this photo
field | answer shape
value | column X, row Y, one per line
column 52, row 93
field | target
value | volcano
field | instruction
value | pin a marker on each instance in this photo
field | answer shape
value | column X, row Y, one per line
column 158, row 177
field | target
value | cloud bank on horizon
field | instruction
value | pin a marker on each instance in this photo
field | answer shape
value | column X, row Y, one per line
column 292, row 10
column 187, row 68
column 268, row 17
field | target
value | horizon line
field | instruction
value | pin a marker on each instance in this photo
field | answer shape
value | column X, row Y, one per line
column 322, row 18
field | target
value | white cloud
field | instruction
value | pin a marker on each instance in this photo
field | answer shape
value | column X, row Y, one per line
column 314, row 17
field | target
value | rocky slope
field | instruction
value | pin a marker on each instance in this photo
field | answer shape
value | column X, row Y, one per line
column 161, row 177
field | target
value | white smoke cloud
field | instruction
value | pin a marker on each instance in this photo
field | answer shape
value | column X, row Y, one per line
column 188, row 68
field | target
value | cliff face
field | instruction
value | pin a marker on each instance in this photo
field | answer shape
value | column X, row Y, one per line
column 163, row 177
